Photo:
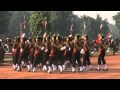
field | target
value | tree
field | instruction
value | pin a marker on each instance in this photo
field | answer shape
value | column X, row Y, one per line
column 116, row 18
column 4, row 21
column 16, row 18
column 57, row 22
column 115, row 32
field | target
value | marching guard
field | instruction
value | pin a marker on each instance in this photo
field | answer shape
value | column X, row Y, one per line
column 23, row 55
column 101, row 55
column 76, row 53
column 15, row 52
column 86, row 53
column 46, row 53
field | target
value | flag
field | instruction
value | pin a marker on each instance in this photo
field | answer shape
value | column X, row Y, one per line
column 109, row 36
column 20, row 32
column 45, row 24
column 44, row 35
column 23, row 35
column 84, row 25
column 110, row 28
column 24, row 23
column 101, row 25
column 71, row 29
column 20, row 36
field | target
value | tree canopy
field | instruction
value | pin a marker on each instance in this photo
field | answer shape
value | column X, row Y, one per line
column 58, row 22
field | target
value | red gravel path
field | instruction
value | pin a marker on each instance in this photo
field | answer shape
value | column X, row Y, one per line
column 7, row 72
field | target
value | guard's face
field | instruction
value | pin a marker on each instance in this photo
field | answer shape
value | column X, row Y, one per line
column 22, row 40
column 46, row 39
column 67, row 39
column 99, row 37
column 85, row 38
column 36, row 39
column 57, row 38
column 82, row 37
column 52, row 38
column 75, row 38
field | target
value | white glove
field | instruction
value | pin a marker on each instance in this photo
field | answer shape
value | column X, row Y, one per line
column 46, row 50
column 63, row 48
column 82, row 50
column 42, row 48
column 13, row 49
column 21, row 50
column 6, row 45
column 69, row 49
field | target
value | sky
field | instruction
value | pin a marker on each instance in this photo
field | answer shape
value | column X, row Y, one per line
column 103, row 14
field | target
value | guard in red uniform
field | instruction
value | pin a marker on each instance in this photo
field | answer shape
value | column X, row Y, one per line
column 76, row 53
column 2, row 53
column 68, row 53
column 46, row 53
column 23, row 55
column 31, row 52
column 86, row 53
column 38, row 57
column 53, row 55
column 101, row 55
column 15, row 52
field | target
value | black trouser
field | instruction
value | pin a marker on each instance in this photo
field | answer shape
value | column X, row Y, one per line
column 46, row 57
column 53, row 59
column 22, row 57
column 114, row 50
column 15, row 59
column 86, row 58
column 76, row 56
column 60, row 60
column 31, row 58
column 101, row 58
column 37, row 59
column 25, row 59
column 68, row 57
column 1, row 59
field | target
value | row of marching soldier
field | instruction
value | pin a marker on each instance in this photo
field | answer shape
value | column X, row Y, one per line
column 55, row 53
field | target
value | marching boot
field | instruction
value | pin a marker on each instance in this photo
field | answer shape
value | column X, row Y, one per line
column 54, row 67
column 98, row 68
column 81, row 69
column 105, row 67
column 45, row 68
column 28, row 66
column 64, row 67
column 49, row 69
column 73, row 69
column 34, row 69
column 84, row 68
column 31, row 66
column 90, row 67
column 60, row 67
column 19, row 68
column 14, row 67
